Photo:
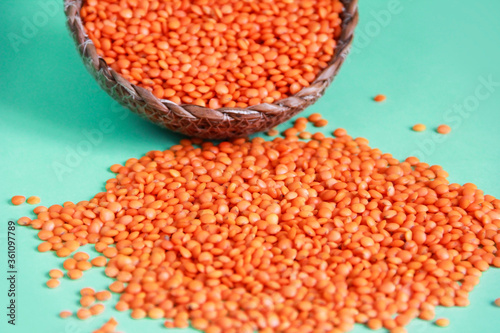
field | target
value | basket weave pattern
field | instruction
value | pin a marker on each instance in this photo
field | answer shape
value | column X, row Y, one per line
column 203, row 122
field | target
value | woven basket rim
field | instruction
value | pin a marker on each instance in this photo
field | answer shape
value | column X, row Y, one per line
column 108, row 79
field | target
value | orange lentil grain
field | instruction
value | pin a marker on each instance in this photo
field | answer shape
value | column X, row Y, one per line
column 18, row 200
column 87, row 291
column 98, row 261
column 443, row 129
column 56, row 273
column 419, row 127
column 321, row 123
column 314, row 117
column 103, row 295
column 53, row 283
column 33, row 200
column 78, row 256
column 379, row 98
column 75, row 274
column 97, row 309
column 83, row 313
column 497, row 302
column 442, row 322
column 339, row 132
column 24, row 220
column 273, row 132
column 87, row 300
column 65, row 314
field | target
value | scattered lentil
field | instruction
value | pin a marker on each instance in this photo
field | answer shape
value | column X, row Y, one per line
column 18, row 200
column 283, row 235
column 419, row 127
column 33, row 200
column 65, row 314
column 103, row 295
column 53, row 283
column 380, row 98
column 443, row 129
column 442, row 322
column 56, row 273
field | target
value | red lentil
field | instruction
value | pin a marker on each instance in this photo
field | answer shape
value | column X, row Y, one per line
column 96, row 309
column 273, row 132
column 314, row 117
column 497, row 302
column 53, row 283
column 18, row 200
column 56, row 273
column 83, row 313
column 379, row 98
column 33, row 200
column 442, row 322
column 65, row 314
column 216, row 53
column 321, row 123
column 419, row 127
column 98, row 261
column 108, row 327
column 87, row 291
column 284, row 235
column 443, row 129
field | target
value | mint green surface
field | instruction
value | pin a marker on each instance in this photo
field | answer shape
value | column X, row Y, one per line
column 429, row 57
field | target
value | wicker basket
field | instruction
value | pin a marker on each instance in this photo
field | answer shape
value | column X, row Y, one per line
column 203, row 122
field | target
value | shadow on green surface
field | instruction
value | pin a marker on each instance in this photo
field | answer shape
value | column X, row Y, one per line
column 58, row 92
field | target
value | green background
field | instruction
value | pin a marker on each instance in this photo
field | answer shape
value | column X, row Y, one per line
column 430, row 58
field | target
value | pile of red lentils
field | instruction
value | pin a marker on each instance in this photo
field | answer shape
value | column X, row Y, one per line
column 287, row 235
column 216, row 53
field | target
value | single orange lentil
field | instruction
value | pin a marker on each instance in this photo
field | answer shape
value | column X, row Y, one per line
column 103, row 295
column 75, row 274
column 98, row 261
column 121, row 306
column 65, row 314
column 116, row 287
column 273, row 132
column 18, row 200
column 443, row 129
column 138, row 313
column 78, row 256
column 83, row 265
column 83, row 313
column 69, row 263
column 63, row 252
column 305, row 135
column 33, row 200
column 24, row 220
column 44, row 247
column 442, row 322
column 315, row 117
column 87, row 300
column 87, row 291
column 156, row 313
column 321, row 123
column 97, row 309
column 419, row 127
column 339, row 132
column 53, row 283
column 379, row 98
column 497, row 302
column 56, row 273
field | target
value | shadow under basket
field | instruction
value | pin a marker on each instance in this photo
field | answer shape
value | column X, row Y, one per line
column 203, row 122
